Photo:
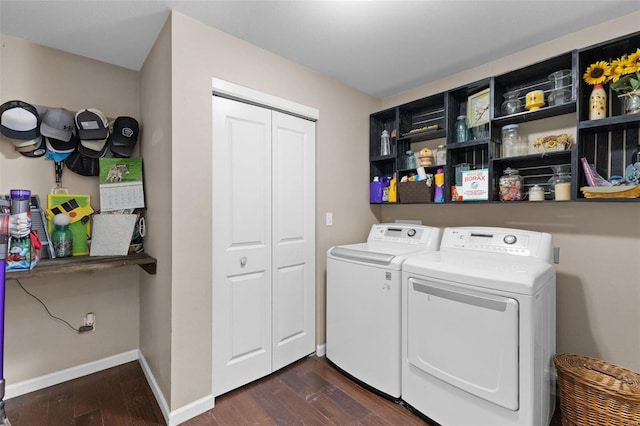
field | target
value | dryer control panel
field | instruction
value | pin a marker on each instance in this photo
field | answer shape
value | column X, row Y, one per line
column 403, row 233
column 515, row 242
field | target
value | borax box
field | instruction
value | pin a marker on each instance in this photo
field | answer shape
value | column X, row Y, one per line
column 475, row 185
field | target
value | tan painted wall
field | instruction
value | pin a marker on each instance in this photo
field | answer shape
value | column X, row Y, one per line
column 597, row 308
column 36, row 345
column 198, row 54
column 156, row 290
column 598, row 294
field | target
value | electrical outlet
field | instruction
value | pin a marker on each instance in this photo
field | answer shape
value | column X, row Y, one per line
column 90, row 319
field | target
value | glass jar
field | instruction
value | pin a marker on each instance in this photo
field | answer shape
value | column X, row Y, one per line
column 511, row 104
column 560, row 183
column 510, row 185
column 536, row 193
column 511, row 145
column 441, row 155
column 411, row 162
column 461, row 131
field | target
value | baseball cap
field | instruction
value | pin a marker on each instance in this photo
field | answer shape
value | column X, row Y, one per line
column 91, row 124
column 57, row 123
column 93, row 148
column 36, row 150
column 60, row 146
column 123, row 136
column 82, row 165
column 19, row 143
column 19, row 120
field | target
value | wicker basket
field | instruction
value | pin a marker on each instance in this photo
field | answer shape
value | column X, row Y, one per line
column 593, row 392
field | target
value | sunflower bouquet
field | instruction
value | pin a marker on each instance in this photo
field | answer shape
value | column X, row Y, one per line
column 623, row 73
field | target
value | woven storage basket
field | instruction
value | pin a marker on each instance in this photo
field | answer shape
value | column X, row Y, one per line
column 596, row 393
column 415, row 192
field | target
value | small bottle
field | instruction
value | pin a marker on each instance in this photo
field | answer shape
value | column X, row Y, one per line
column 385, row 145
column 461, row 131
column 439, row 189
column 62, row 238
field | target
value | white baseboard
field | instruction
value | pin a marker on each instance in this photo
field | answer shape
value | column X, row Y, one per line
column 172, row 418
column 191, row 410
column 37, row 383
column 321, row 350
column 182, row 414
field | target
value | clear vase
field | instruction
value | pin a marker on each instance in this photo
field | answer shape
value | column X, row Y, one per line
column 631, row 102
column 597, row 103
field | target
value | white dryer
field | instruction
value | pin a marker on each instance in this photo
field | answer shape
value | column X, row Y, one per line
column 478, row 329
column 363, row 303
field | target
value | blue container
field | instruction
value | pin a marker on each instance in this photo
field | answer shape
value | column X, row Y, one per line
column 376, row 190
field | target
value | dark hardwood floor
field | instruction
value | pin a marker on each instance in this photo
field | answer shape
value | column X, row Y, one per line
column 308, row 392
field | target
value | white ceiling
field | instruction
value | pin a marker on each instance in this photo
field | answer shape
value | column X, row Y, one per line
column 379, row 47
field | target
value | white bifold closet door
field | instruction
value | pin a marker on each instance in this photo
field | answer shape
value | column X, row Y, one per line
column 263, row 241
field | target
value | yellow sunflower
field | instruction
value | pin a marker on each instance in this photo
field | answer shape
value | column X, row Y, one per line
column 633, row 61
column 597, row 73
column 616, row 68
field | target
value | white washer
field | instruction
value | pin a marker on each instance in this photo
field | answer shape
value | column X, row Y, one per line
column 478, row 329
column 363, row 303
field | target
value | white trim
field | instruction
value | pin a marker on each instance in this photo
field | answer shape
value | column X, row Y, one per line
column 172, row 418
column 153, row 384
column 182, row 414
column 321, row 350
column 57, row 377
column 191, row 410
column 236, row 91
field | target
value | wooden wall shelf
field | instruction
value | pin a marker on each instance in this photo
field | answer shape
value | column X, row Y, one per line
column 67, row 265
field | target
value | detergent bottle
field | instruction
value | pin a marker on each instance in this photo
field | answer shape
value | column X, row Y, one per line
column 439, row 190
column 375, row 191
column 393, row 189
column 385, row 188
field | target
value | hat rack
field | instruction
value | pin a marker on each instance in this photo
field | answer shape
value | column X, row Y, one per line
column 42, row 109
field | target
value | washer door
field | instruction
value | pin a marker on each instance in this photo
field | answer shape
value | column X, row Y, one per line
column 466, row 338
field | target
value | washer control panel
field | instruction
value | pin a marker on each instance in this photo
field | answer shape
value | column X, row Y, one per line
column 403, row 233
column 498, row 240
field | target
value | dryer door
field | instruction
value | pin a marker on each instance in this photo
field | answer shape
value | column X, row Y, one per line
column 466, row 338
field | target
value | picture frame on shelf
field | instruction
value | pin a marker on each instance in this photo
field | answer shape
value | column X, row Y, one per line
column 478, row 108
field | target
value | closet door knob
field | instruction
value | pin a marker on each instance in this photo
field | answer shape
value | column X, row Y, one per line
column 243, row 262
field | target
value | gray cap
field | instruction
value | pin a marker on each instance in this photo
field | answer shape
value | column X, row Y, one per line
column 58, row 123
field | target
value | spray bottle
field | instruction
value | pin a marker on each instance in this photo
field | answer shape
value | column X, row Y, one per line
column 439, row 190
